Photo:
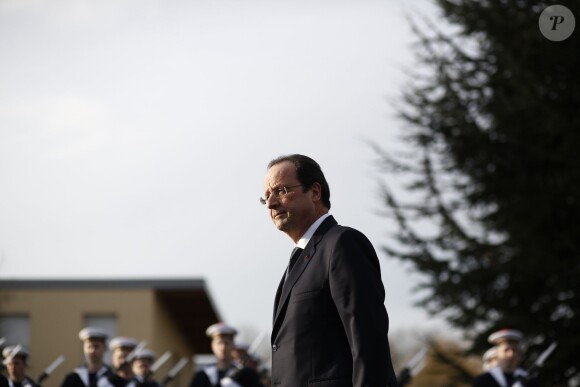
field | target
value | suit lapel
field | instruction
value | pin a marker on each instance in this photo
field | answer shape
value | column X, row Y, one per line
column 302, row 262
column 278, row 294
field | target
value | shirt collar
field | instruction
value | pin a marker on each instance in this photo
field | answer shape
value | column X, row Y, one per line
column 310, row 232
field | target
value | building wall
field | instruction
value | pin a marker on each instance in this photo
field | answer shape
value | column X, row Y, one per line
column 167, row 337
column 56, row 317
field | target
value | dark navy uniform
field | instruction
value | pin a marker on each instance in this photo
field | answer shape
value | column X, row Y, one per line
column 81, row 377
column 27, row 382
column 495, row 377
column 211, row 376
column 139, row 382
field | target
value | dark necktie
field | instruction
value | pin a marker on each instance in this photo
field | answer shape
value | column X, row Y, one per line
column 293, row 257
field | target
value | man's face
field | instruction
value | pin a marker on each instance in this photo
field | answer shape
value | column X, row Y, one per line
column 222, row 346
column 294, row 212
column 16, row 368
column 240, row 354
column 508, row 356
column 94, row 351
column 141, row 367
column 119, row 355
column 490, row 363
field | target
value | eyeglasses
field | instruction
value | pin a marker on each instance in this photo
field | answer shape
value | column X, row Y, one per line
column 278, row 193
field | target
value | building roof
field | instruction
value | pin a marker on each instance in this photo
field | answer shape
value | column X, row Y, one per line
column 186, row 299
column 108, row 283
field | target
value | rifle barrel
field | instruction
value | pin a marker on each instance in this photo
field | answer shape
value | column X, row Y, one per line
column 162, row 359
column 46, row 373
column 544, row 355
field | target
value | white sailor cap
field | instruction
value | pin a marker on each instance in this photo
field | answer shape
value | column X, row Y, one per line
column 144, row 354
column 505, row 335
column 220, row 328
column 11, row 351
column 123, row 342
column 489, row 354
column 241, row 346
column 93, row 333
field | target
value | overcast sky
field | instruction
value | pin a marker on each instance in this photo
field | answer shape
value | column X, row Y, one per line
column 134, row 136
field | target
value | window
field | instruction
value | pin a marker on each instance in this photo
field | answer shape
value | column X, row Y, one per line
column 108, row 323
column 15, row 329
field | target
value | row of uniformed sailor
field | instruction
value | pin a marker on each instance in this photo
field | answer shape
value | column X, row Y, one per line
column 230, row 370
column 132, row 372
column 94, row 372
column 501, row 362
column 226, row 372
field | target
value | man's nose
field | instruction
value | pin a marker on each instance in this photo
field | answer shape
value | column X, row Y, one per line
column 272, row 202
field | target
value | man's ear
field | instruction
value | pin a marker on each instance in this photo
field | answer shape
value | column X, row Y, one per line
column 316, row 192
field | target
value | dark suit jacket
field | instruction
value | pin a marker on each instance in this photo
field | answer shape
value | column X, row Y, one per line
column 330, row 322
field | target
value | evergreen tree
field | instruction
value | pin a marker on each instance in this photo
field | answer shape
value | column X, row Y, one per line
column 492, row 123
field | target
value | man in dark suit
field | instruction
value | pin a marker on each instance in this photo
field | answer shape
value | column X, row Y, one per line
column 330, row 322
